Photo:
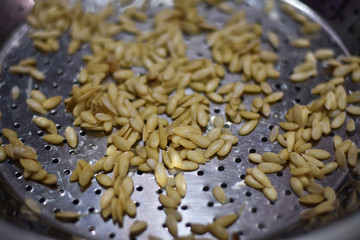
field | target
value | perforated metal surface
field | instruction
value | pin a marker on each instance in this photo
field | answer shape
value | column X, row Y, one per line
column 260, row 218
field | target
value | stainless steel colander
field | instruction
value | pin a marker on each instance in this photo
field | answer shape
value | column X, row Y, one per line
column 261, row 218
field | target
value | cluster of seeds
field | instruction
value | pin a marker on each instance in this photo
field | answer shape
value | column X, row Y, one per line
column 135, row 109
column 39, row 103
column 307, row 27
column 26, row 156
column 307, row 124
column 27, row 66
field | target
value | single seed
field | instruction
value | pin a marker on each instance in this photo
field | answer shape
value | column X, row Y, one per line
column 71, row 137
column 219, row 194
column 340, row 158
column 218, row 231
column 180, row 184
column 54, row 139
column 160, row 175
column 171, row 224
column 198, row 228
column 270, row 193
column 261, row 177
column 15, row 92
column 51, row 103
column 311, row 199
column 137, row 228
column 67, row 216
column 33, row 205
column 86, row 175
column 274, row 134
column 269, row 167
column 248, row 127
column 214, row 147
column 296, row 186
column 35, row 106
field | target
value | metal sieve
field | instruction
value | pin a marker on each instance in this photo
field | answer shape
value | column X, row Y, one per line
column 261, row 218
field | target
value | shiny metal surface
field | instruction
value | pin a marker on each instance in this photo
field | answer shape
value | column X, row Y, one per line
column 260, row 218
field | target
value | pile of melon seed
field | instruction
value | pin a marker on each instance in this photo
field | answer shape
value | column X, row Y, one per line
column 111, row 98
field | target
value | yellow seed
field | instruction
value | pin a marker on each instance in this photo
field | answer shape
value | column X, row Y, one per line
column 270, row 193
column 8, row 133
column 30, row 164
column 307, row 214
column 300, row 43
column 3, row 155
column 299, row 171
column 107, row 197
column 273, row 39
column 36, row 74
column 311, row 199
column 214, row 134
column 174, row 157
column 273, row 97
column 296, row 186
column 104, row 180
column 218, row 231
column 51, row 103
column 288, row 126
column 171, row 224
column 174, row 212
column 86, row 175
column 137, row 228
column 189, row 165
column 298, row 160
column 219, row 194
column 329, row 167
column 261, row 177
column 226, row 220
column 180, row 184
column 54, row 139
column 324, row 207
column 160, row 175
column 352, row 155
column 121, row 143
column 21, row 151
column 35, row 106
column 41, row 122
column 274, row 134
column 340, row 158
column 269, row 167
column 67, row 215
column 20, row 69
column 33, row 205
column 267, row 56
column 315, row 188
column 255, row 157
column 88, row 117
column 354, row 110
column 350, row 126
column 15, row 92
column 196, row 156
column 248, row 127
column 71, row 137
column 323, row 54
column 318, row 153
column 252, row 182
column 225, row 149
column 272, row 157
column 214, row 147
column 198, row 228
column 329, row 194
column 50, row 179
